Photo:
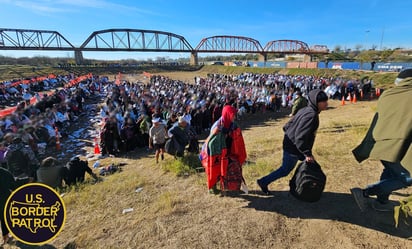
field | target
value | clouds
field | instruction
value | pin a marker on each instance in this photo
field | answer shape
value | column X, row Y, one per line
column 42, row 7
column 34, row 6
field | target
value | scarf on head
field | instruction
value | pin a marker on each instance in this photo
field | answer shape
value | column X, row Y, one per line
column 228, row 113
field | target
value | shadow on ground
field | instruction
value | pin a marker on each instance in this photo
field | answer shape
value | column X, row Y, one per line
column 332, row 206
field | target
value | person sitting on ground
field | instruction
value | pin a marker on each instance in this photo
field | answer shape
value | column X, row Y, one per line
column 128, row 135
column 75, row 171
column 21, row 161
column 171, row 121
column 3, row 149
column 50, row 173
column 28, row 138
column 110, row 137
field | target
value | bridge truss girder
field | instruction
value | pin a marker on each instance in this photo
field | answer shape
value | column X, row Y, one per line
column 287, row 47
column 229, row 44
column 24, row 39
column 135, row 40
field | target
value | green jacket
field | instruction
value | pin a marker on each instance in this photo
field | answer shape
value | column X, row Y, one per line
column 298, row 104
column 390, row 134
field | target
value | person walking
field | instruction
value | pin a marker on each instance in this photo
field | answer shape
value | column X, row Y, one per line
column 388, row 140
column 300, row 132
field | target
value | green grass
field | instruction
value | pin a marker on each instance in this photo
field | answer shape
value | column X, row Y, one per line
column 183, row 166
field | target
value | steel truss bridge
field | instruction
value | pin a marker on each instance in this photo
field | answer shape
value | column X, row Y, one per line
column 138, row 40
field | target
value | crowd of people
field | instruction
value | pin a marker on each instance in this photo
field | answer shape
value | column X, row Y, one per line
column 32, row 130
column 168, row 116
column 130, row 107
column 148, row 115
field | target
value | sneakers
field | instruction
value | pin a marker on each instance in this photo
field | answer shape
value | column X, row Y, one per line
column 263, row 187
column 383, row 207
column 361, row 200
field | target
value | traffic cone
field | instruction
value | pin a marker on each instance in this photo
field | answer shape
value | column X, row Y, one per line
column 378, row 92
column 343, row 100
column 350, row 97
column 96, row 147
column 354, row 99
column 57, row 138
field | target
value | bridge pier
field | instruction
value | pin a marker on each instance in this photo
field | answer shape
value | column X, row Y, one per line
column 78, row 56
column 194, row 60
column 263, row 57
column 307, row 58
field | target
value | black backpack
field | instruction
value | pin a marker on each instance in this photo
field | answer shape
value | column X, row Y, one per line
column 308, row 182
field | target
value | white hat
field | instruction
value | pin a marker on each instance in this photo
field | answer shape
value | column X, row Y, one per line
column 156, row 120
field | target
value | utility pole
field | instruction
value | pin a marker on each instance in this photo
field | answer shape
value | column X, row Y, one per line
column 383, row 31
column 366, row 39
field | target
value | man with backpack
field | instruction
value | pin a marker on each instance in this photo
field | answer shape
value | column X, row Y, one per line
column 300, row 132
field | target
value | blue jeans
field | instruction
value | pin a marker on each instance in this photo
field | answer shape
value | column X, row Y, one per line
column 393, row 177
column 288, row 164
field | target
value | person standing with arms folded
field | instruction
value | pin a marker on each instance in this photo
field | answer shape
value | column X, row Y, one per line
column 300, row 133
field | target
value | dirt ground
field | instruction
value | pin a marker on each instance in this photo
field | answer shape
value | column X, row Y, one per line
column 178, row 212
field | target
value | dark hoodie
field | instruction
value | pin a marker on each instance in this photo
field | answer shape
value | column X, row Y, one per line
column 21, row 161
column 300, row 130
